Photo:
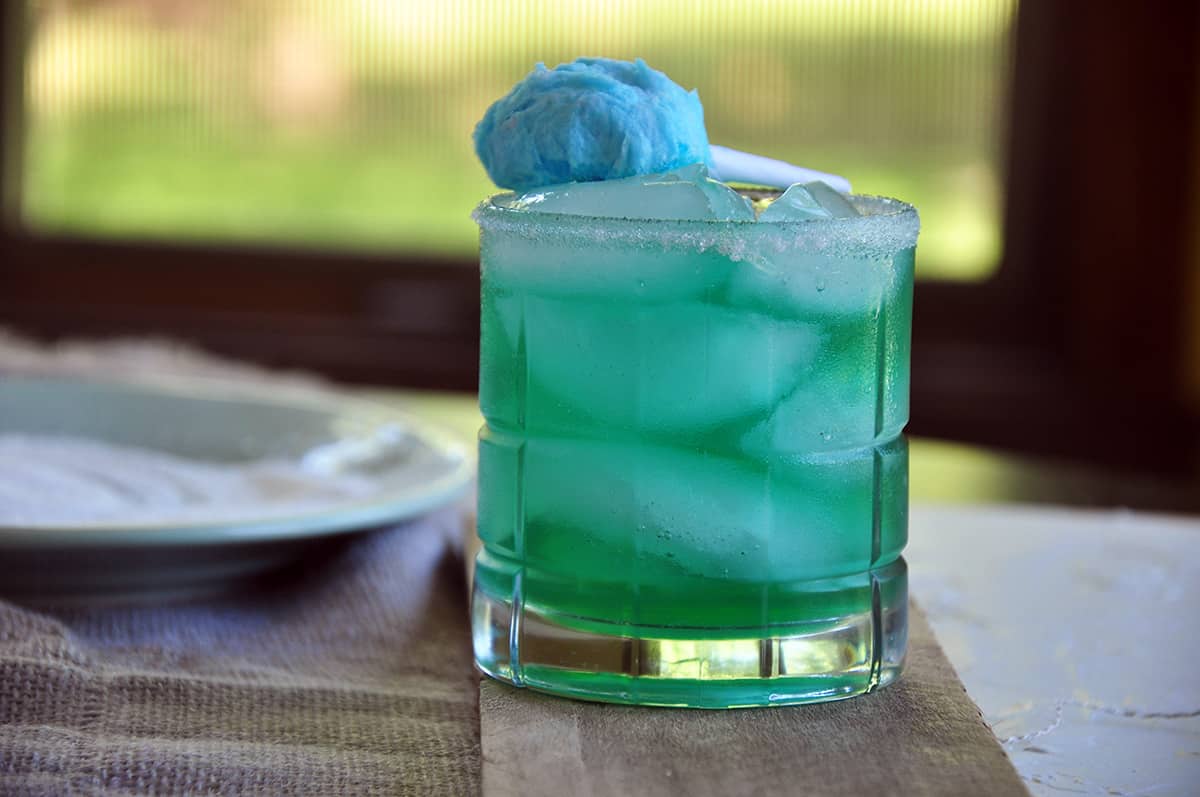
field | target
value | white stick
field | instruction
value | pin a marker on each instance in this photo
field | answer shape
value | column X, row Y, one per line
column 742, row 167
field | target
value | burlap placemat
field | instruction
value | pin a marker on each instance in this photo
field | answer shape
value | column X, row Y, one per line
column 350, row 676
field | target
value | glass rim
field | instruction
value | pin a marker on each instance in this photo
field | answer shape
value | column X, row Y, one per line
column 894, row 225
column 896, row 207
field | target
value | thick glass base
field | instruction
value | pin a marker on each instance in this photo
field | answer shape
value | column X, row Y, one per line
column 809, row 661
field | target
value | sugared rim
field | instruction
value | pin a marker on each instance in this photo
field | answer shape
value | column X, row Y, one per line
column 888, row 226
column 895, row 207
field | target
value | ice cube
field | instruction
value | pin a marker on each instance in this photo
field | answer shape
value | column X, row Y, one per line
column 803, row 284
column 788, row 279
column 645, row 512
column 602, row 270
column 831, row 408
column 653, row 368
column 853, row 392
column 683, row 194
column 834, row 203
column 807, row 202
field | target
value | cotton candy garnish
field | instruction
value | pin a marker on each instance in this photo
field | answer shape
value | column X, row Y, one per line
column 591, row 119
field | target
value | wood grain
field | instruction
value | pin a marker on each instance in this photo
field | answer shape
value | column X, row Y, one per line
column 920, row 736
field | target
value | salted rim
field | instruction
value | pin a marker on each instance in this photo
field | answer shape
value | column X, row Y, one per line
column 888, row 226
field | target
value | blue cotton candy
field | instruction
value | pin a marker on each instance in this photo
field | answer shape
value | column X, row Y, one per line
column 592, row 119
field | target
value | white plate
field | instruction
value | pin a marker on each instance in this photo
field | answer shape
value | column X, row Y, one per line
column 402, row 467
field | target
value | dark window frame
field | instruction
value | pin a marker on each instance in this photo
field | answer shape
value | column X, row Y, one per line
column 1022, row 361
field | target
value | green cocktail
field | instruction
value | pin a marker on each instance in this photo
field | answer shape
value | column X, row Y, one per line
column 693, row 482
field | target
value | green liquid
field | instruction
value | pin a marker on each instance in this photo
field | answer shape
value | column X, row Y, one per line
column 692, row 467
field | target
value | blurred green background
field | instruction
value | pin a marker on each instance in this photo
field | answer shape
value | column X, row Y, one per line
column 346, row 123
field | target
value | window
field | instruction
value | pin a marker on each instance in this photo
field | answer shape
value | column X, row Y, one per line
column 347, row 124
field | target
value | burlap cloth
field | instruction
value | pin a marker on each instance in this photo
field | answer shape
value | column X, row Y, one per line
column 353, row 675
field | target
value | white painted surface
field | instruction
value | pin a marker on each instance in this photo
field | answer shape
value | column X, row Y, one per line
column 1077, row 634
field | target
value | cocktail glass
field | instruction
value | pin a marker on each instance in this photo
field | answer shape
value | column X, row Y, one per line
column 693, row 483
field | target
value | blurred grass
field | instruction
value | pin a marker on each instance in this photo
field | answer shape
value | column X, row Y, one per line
column 152, row 181
column 348, row 124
